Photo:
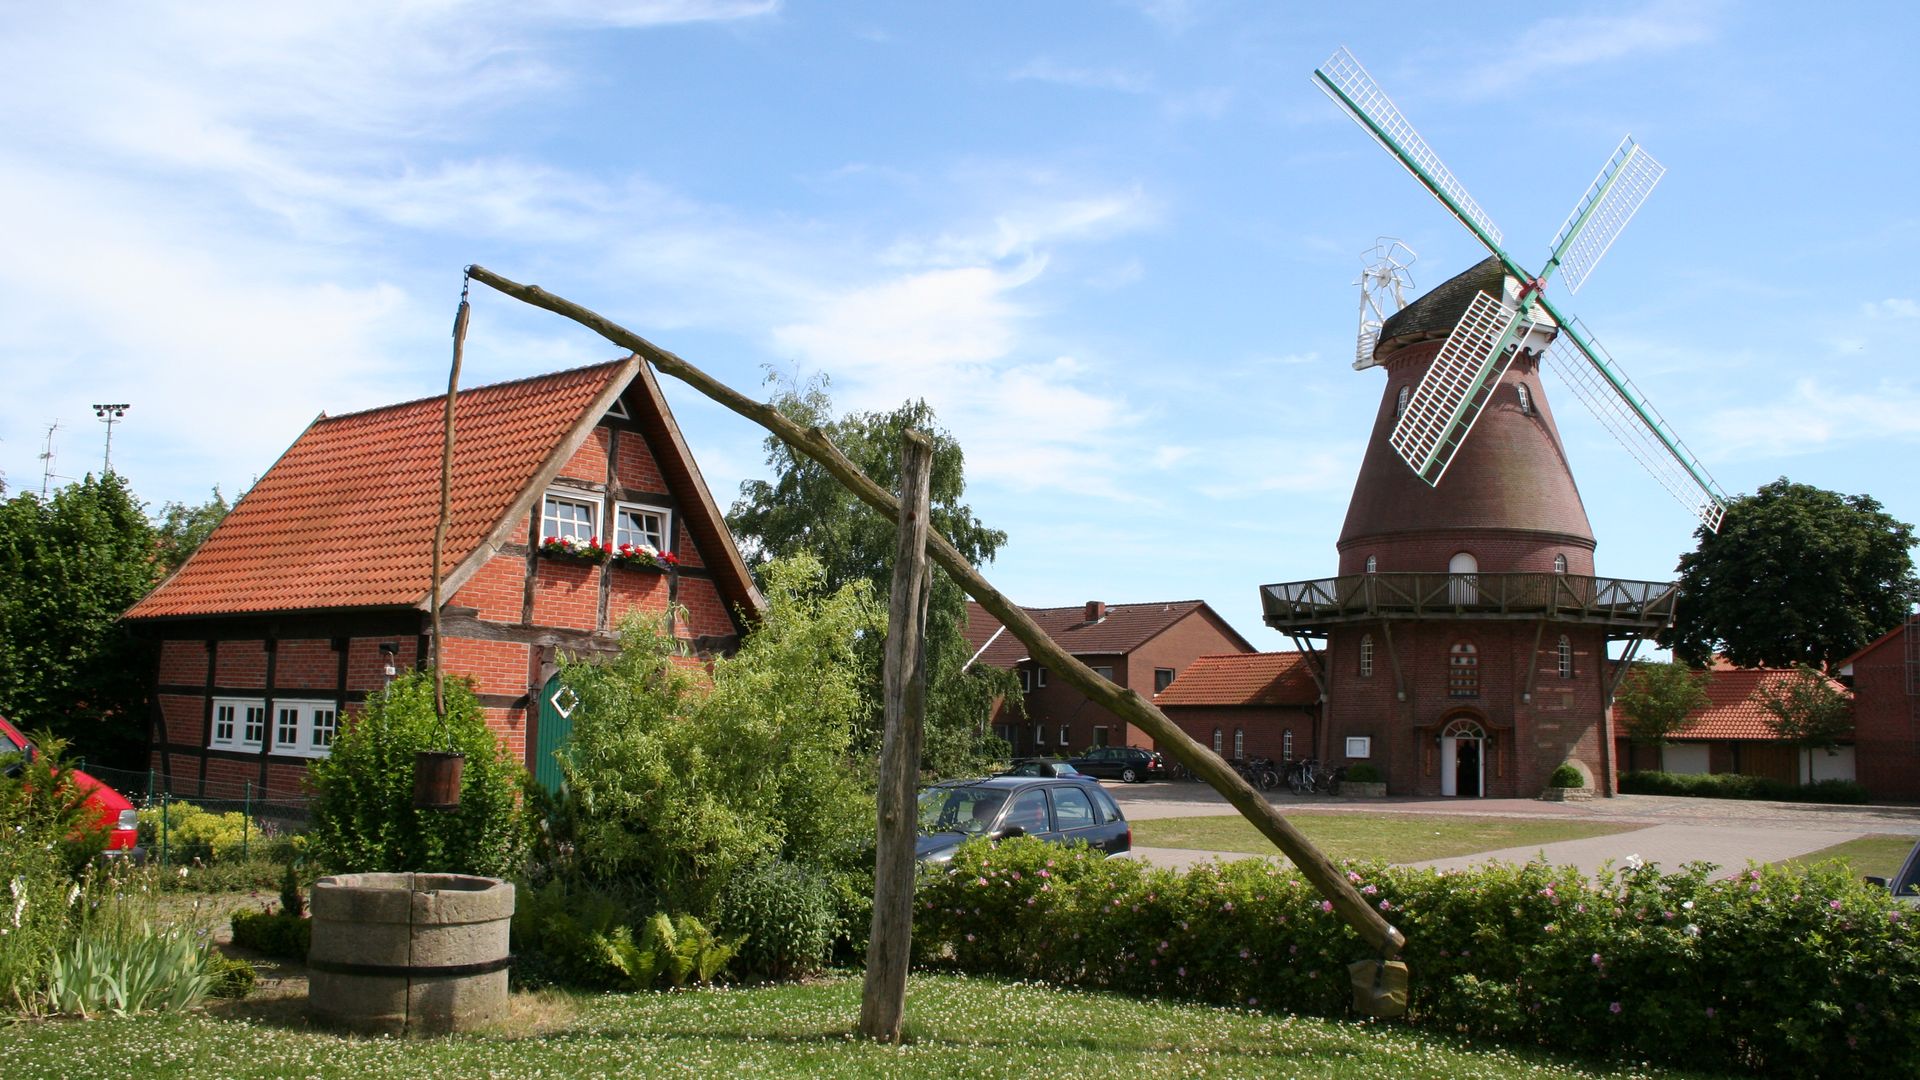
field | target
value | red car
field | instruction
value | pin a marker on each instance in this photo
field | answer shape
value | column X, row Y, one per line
column 116, row 814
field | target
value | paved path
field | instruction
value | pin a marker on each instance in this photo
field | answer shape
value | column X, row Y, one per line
column 1726, row 832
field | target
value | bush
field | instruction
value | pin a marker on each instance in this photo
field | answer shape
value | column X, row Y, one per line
column 232, row 979
column 1363, row 773
column 1566, row 776
column 364, row 819
column 1740, row 786
column 556, row 935
column 1770, row 972
column 670, row 950
column 788, row 916
column 272, row 933
column 50, row 835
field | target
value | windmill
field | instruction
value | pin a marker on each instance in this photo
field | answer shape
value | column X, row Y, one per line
column 1385, row 281
column 1494, row 330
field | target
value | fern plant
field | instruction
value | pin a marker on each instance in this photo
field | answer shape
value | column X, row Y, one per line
column 670, row 949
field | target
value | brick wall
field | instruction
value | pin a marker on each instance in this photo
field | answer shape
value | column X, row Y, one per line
column 496, row 667
column 631, row 590
column 706, row 612
column 496, row 591
column 636, row 467
column 1264, row 729
column 183, row 663
column 1886, row 721
column 306, row 664
column 566, row 594
column 589, row 463
column 241, row 663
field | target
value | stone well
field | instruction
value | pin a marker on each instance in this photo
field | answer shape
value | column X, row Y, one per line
column 413, row 954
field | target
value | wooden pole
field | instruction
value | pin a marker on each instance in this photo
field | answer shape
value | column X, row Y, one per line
column 1122, row 702
column 446, row 506
column 883, row 1002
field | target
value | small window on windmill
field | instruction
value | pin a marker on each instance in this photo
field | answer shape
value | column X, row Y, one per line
column 1400, row 402
column 1366, row 656
column 1566, row 657
column 1463, row 670
column 1526, row 399
column 1373, row 564
column 1560, row 564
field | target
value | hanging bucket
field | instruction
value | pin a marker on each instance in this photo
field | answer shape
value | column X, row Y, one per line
column 436, row 779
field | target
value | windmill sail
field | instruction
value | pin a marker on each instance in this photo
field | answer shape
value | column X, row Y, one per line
column 1455, row 389
column 1614, row 401
column 1624, row 183
column 1348, row 84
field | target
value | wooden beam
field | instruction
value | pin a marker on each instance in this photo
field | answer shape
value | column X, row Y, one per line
column 1123, row 702
column 883, row 1000
column 1533, row 661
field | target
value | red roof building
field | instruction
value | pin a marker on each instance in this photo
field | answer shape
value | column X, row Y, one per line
column 1886, row 712
column 1244, row 705
column 1140, row 646
column 318, row 585
column 1733, row 733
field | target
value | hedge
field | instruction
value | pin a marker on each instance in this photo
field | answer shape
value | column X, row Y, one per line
column 1741, row 786
column 1769, row 971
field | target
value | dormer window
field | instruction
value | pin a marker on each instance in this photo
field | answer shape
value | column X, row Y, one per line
column 1400, row 402
column 1526, row 399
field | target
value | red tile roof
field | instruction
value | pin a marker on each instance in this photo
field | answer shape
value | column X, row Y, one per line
column 345, row 518
column 1124, row 628
column 1737, row 710
column 1272, row 678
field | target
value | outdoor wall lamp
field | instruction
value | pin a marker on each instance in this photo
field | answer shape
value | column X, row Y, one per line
column 389, row 652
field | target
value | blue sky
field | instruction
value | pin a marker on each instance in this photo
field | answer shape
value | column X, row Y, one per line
column 1113, row 244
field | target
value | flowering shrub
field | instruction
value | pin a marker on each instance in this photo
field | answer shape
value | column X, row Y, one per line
column 644, row 557
column 1770, row 971
column 572, row 547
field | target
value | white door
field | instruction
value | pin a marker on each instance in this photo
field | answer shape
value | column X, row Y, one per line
column 1449, row 765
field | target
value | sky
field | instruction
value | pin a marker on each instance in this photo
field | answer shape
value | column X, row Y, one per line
column 1115, row 245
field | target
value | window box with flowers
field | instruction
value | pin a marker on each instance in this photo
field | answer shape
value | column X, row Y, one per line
column 574, row 549
column 643, row 557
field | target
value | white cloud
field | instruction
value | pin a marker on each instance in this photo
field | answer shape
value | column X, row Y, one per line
column 1563, row 42
column 1046, row 69
column 1892, row 308
column 1814, row 416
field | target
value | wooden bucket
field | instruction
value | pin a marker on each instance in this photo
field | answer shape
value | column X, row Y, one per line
column 436, row 779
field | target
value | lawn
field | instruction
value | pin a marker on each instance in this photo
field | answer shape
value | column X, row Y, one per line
column 1396, row 838
column 971, row 1028
column 1879, row 855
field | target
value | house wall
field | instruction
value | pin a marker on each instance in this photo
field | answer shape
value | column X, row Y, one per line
column 1264, row 728
column 506, row 627
column 1886, row 720
column 1526, row 738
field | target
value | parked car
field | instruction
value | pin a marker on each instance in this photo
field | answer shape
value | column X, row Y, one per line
column 113, row 810
column 1058, row 810
column 1905, row 884
column 1129, row 763
column 1041, row 767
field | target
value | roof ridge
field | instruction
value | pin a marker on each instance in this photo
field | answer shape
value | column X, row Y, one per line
column 397, row 405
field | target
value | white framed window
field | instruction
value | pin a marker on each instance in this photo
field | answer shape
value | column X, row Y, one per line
column 1359, row 746
column 1400, row 401
column 1026, row 681
column 239, row 723
column 1366, row 656
column 1216, row 740
column 1039, row 734
column 304, row 728
column 1063, row 734
column 1373, row 564
column 637, row 524
column 1239, row 742
column 1286, row 745
column 569, row 514
column 1526, row 398
column 1559, row 564
column 1039, row 677
column 1162, row 678
column 1566, row 657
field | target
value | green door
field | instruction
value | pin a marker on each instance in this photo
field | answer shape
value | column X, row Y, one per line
column 557, row 705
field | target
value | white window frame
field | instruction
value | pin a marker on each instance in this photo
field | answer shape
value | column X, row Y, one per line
column 238, row 719
column 1239, row 742
column 1366, row 656
column 1039, row 735
column 666, row 524
column 1564, row 657
column 1217, row 743
column 1359, row 746
column 550, row 525
column 1063, row 734
column 308, row 728
column 1286, row 745
column 1026, row 681
column 1039, row 677
column 1526, row 398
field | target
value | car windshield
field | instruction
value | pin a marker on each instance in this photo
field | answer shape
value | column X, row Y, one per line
column 959, row 809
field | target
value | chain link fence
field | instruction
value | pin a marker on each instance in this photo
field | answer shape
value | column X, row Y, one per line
column 263, row 818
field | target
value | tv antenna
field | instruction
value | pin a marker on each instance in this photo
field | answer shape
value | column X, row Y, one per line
column 1462, row 377
column 46, row 459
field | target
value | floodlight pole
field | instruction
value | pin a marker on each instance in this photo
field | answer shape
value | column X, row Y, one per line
column 108, row 415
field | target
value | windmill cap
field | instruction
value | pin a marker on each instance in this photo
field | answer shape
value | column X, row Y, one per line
column 1434, row 315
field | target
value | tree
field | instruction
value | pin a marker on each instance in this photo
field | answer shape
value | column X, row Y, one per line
column 1810, row 711
column 1796, row 575
column 69, row 567
column 1656, row 699
column 184, row 528
column 805, row 509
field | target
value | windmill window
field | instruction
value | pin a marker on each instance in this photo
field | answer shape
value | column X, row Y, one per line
column 1526, row 399
column 1366, row 656
column 637, row 525
column 1400, row 402
column 1566, row 657
column 1464, row 587
column 1559, row 564
column 1373, row 564
column 570, row 515
column 1463, row 670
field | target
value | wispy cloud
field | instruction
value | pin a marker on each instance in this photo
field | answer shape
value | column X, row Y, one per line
column 1563, row 42
column 1892, row 308
column 1813, row 416
column 1047, row 69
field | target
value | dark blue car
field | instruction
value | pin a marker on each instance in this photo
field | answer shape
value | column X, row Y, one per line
column 1057, row 810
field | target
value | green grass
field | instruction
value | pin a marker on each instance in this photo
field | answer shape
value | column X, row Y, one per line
column 1396, row 838
column 1879, row 855
column 968, row 1028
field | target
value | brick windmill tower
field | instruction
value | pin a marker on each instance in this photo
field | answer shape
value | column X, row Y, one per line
column 1462, row 648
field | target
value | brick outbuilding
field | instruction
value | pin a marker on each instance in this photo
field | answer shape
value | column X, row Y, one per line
column 317, row 586
column 1247, row 705
column 1886, row 712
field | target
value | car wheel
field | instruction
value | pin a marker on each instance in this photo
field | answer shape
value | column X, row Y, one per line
column 1129, row 775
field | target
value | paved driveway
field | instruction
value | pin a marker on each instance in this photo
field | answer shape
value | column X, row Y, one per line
column 1726, row 832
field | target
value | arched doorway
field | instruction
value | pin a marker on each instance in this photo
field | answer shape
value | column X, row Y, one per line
column 1463, row 769
column 1465, row 586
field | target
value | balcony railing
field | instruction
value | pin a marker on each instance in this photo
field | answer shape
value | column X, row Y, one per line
column 1307, row 605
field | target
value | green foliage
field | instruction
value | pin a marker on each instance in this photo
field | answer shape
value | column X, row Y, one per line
column 41, row 806
column 231, row 979
column 1769, row 972
column 1363, row 773
column 69, row 567
column 193, row 833
column 273, row 933
column 558, row 928
column 787, row 916
column 184, row 528
column 1740, row 786
column 670, row 950
column 364, row 820
column 1812, row 712
column 1796, row 575
column 805, row 509
column 1655, row 698
column 1566, row 776
column 674, row 782
column 125, row 973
